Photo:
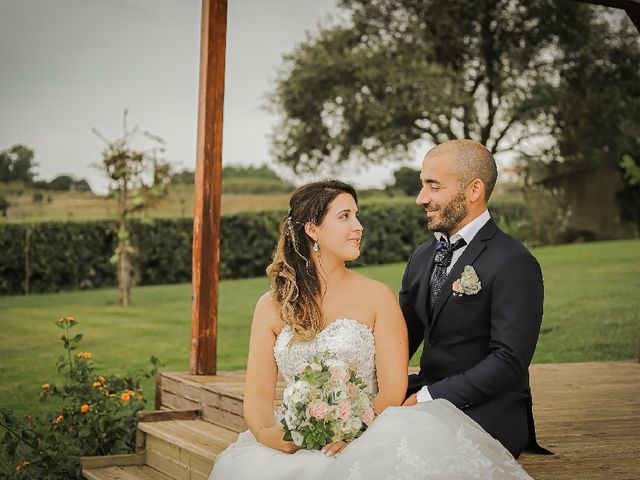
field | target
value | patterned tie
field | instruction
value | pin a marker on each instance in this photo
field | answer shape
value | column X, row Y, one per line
column 444, row 253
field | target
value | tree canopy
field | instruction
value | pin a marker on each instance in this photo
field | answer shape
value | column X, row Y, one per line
column 399, row 71
column 17, row 163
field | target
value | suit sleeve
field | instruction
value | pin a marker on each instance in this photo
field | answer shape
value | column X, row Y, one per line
column 516, row 314
column 415, row 328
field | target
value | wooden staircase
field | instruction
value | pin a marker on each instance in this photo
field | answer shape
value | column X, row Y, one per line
column 196, row 418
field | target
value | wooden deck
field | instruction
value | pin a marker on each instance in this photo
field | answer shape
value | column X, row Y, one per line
column 588, row 414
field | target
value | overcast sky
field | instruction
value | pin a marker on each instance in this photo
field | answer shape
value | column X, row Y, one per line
column 69, row 65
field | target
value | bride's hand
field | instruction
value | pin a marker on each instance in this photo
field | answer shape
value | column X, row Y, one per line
column 272, row 438
column 334, row 448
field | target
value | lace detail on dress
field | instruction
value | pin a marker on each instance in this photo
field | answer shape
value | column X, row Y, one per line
column 348, row 340
column 468, row 461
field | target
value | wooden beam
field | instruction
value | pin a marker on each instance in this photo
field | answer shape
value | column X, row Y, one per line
column 206, row 220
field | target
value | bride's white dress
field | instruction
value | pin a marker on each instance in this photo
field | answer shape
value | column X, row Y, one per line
column 432, row 440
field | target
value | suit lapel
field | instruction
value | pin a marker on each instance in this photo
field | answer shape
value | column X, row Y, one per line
column 470, row 254
column 425, row 284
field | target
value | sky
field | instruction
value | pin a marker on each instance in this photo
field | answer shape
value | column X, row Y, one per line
column 67, row 66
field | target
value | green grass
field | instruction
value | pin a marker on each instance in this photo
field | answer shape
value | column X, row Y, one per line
column 592, row 312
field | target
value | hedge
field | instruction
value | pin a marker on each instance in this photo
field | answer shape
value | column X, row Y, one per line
column 55, row 256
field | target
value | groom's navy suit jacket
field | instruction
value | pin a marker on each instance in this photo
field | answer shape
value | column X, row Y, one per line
column 477, row 348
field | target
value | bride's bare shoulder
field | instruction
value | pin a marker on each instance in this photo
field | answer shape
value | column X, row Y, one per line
column 265, row 312
column 373, row 289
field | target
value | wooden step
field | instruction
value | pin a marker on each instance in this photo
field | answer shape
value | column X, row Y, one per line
column 184, row 449
column 140, row 472
column 119, row 467
column 219, row 397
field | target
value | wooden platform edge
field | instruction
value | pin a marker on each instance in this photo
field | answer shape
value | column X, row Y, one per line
column 161, row 415
column 87, row 463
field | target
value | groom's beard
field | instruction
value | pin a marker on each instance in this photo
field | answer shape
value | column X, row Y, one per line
column 450, row 215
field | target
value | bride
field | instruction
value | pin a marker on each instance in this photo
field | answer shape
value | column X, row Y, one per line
column 317, row 305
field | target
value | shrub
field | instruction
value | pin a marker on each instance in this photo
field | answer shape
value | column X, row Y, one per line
column 54, row 256
column 94, row 415
column 549, row 214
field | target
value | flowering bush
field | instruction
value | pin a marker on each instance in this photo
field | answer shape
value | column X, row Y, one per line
column 326, row 403
column 94, row 415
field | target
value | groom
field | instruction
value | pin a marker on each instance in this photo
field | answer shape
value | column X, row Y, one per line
column 473, row 296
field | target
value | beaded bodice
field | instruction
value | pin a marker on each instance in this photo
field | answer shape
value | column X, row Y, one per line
column 346, row 339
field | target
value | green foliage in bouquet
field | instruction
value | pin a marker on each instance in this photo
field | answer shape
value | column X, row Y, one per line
column 94, row 415
column 327, row 402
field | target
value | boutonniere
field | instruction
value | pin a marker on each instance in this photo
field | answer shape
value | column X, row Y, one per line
column 467, row 284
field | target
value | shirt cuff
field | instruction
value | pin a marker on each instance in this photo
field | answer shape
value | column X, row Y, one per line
column 423, row 395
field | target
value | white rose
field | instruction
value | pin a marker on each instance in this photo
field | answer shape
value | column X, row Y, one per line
column 298, row 438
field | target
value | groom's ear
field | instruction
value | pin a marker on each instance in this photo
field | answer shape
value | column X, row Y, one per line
column 476, row 190
column 311, row 229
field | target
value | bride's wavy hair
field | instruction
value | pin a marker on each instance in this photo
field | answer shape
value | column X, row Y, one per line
column 295, row 281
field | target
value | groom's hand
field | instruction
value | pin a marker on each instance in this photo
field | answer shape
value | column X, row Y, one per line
column 411, row 400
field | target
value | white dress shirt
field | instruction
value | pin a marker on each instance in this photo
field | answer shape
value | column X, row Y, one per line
column 468, row 232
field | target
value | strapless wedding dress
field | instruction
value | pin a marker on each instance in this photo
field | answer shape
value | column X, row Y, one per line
column 432, row 440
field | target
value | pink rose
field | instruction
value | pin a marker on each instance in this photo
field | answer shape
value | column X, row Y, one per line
column 316, row 367
column 317, row 409
column 368, row 416
column 457, row 286
column 344, row 410
column 339, row 374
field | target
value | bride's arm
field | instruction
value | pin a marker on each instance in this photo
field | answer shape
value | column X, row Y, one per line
column 260, row 383
column 392, row 358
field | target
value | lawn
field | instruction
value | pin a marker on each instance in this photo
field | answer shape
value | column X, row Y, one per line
column 592, row 312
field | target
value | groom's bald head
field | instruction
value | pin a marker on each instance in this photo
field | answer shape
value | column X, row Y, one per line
column 471, row 160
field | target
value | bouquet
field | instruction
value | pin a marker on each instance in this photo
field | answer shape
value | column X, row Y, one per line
column 326, row 403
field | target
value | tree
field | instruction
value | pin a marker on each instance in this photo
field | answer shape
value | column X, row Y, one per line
column 65, row 183
column 80, row 186
column 405, row 70
column 185, row 177
column 406, row 181
column 237, row 171
column 61, row 183
column 16, row 163
column 137, row 179
column 628, row 197
column 4, row 205
column 597, row 105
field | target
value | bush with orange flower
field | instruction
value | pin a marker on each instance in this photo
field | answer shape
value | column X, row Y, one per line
column 95, row 415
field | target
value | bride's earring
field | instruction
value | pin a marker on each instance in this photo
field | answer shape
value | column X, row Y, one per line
column 315, row 246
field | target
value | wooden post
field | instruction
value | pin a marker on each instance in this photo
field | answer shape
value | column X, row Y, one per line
column 206, row 219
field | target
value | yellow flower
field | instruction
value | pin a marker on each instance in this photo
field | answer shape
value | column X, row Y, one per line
column 96, row 384
column 45, row 386
column 85, row 408
column 125, row 397
column 21, row 466
column 59, row 419
column 101, row 378
column 85, row 355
